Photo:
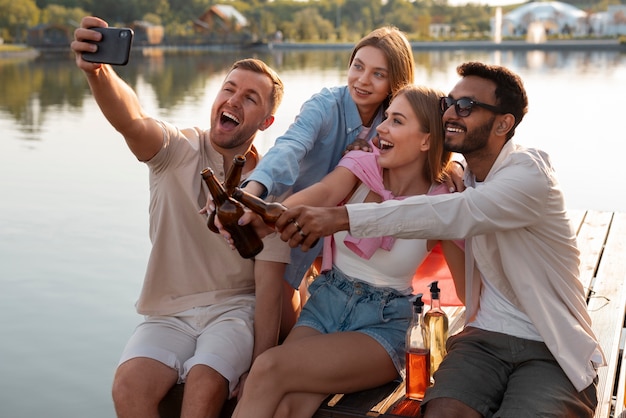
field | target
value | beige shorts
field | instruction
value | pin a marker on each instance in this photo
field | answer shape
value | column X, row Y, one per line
column 219, row 336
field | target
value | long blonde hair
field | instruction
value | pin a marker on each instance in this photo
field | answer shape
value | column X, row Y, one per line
column 425, row 104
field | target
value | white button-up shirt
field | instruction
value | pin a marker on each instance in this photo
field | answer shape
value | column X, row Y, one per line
column 518, row 235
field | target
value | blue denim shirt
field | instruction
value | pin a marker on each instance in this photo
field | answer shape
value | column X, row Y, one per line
column 307, row 151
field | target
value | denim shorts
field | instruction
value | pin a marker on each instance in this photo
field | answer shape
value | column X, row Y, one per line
column 339, row 303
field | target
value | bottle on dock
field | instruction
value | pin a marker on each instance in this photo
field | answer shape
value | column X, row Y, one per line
column 436, row 322
column 417, row 354
column 228, row 211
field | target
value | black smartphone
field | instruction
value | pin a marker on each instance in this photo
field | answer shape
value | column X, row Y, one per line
column 114, row 48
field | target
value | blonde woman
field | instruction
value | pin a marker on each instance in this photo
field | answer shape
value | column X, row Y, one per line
column 350, row 334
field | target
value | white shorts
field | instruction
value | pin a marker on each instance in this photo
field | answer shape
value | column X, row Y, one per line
column 220, row 336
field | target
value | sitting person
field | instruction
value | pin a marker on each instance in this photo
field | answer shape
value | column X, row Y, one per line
column 351, row 333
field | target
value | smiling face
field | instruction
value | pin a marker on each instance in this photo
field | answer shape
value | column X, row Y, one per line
column 241, row 108
column 368, row 81
column 472, row 133
column 402, row 140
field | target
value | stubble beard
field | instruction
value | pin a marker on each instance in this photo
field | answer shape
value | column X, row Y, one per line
column 475, row 140
column 235, row 140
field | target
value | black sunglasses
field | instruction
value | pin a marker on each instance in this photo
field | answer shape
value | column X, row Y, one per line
column 463, row 106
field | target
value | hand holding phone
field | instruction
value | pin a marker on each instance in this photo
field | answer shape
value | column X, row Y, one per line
column 113, row 48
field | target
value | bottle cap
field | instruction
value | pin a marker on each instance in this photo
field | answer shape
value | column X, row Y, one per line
column 434, row 290
column 418, row 304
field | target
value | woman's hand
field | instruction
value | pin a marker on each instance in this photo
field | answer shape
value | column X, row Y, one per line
column 454, row 176
column 358, row 145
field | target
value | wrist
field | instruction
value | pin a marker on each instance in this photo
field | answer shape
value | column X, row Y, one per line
column 255, row 188
column 460, row 164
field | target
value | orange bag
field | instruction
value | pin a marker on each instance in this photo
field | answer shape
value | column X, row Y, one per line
column 434, row 267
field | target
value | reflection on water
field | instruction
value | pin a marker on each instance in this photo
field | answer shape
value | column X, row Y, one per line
column 73, row 200
column 31, row 90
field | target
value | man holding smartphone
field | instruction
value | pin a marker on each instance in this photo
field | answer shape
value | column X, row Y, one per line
column 207, row 312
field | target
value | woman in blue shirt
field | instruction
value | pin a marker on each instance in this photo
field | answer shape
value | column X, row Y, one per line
column 380, row 64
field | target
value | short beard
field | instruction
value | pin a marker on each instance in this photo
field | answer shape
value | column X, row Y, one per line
column 475, row 140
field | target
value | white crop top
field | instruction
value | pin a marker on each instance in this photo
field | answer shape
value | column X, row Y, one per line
column 394, row 268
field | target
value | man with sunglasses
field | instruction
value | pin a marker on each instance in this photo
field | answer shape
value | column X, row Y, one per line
column 528, row 348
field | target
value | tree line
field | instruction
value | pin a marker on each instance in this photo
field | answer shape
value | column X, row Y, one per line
column 298, row 21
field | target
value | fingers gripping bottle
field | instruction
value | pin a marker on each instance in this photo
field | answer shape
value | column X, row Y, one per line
column 228, row 211
column 436, row 321
column 417, row 354
column 269, row 211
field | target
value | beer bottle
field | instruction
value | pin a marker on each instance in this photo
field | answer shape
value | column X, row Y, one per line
column 417, row 354
column 436, row 321
column 228, row 211
column 269, row 211
column 233, row 177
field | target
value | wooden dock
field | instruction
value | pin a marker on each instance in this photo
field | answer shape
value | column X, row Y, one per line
column 602, row 243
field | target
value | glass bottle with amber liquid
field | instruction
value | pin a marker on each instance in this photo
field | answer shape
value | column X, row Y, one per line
column 228, row 211
column 417, row 354
column 269, row 211
column 233, row 178
column 436, row 321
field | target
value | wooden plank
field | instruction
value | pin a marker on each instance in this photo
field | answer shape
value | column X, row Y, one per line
column 607, row 307
column 620, row 402
column 591, row 238
column 358, row 404
column 576, row 217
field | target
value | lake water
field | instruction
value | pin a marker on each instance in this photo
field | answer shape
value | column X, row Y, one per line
column 73, row 200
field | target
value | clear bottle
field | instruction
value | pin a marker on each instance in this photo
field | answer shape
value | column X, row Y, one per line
column 269, row 211
column 417, row 354
column 228, row 211
column 436, row 321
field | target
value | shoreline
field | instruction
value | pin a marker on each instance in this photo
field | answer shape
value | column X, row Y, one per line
column 511, row 45
column 582, row 44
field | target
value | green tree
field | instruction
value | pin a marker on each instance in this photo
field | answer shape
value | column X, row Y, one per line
column 401, row 14
column 16, row 17
column 61, row 15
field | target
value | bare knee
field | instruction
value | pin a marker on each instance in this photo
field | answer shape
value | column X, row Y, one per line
column 206, row 391
column 449, row 408
column 209, row 380
column 141, row 381
column 266, row 364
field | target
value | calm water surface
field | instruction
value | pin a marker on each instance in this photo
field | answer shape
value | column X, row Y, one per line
column 73, row 200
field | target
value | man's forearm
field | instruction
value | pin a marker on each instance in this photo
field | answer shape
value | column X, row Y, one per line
column 118, row 102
